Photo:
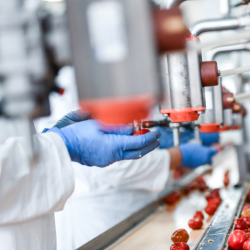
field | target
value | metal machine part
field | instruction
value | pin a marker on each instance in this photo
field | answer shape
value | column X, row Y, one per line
column 220, row 24
column 237, row 116
column 118, row 78
column 213, row 118
column 187, row 76
column 216, row 233
column 176, row 133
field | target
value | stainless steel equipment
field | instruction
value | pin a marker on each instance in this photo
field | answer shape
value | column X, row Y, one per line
column 186, row 78
column 118, row 78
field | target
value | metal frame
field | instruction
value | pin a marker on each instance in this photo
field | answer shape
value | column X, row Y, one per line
column 216, row 234
column 243, row 153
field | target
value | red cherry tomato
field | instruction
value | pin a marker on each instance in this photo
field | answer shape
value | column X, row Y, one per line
column 180, row 235
column 211, row 208
column 195, row 223
column 179, row 246
column 246, row 210
column 141, row 132
column 172, row 198
column 246, row 245
column 246, row 219
column 199, row 215
column 240, row 224
column 247, row 231
column 246, row 207
column 215, row 200
column 236, row 239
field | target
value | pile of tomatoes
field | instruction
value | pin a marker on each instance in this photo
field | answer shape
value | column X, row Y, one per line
column 239, row 239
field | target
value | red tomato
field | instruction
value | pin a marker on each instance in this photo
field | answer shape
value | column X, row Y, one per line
column 172, row 198
column 236, row 239
column 246, row 219
column 247, row 231
column 246, row 245
column 215, row 200
column 195, row 223
column 211, row 208
column 246, row 210
column 179, row 246
column 141, row 132
column 199, row 215
column 180, row 235
column 246, row 207
column 240, row 224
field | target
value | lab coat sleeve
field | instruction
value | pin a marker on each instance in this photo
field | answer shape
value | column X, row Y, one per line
column 29, row 191
column 149, row 173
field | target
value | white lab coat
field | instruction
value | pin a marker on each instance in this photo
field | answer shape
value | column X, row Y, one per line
column 29, row 195
column 104, row 197
column 87, row 213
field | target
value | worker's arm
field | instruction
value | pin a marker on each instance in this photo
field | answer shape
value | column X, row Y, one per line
column 191, row 155
column 94, row 144
column 29, row 191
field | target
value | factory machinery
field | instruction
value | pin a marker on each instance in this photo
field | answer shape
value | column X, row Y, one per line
column 195, row 98
column 128, row 57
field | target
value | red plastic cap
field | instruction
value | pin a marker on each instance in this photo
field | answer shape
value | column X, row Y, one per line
column 224, row 128
column 235, row 127
column 209, row 128
column 120, row 110
column 228, row 100
column 236, row 107
column 183, row 115
column 209, row 74
column 170, row 29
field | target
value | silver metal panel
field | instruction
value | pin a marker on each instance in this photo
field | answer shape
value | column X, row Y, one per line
column 228, row 117
column 218, row 103
column 196, row 89
column 134, row 68
column 179, row 80
column 214, row 238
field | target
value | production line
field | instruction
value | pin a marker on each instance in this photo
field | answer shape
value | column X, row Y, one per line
column 143, row 143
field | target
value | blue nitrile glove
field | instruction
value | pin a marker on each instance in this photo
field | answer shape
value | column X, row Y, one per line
column 93, row 144
column 71, row 118
column 195, row 155
column 166, row 139
column 209, row 138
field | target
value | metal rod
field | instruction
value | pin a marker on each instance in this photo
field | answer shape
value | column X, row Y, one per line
column 242, row 97
column 235, row 47
column 215, row 25
column 235, row 71
column 176, row 137
column 197, row 134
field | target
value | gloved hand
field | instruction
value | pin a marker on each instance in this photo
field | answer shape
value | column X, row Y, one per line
column 195, row 155
column 209, row 138
column 166, row 139
column 71, row 118
column 93, row 144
